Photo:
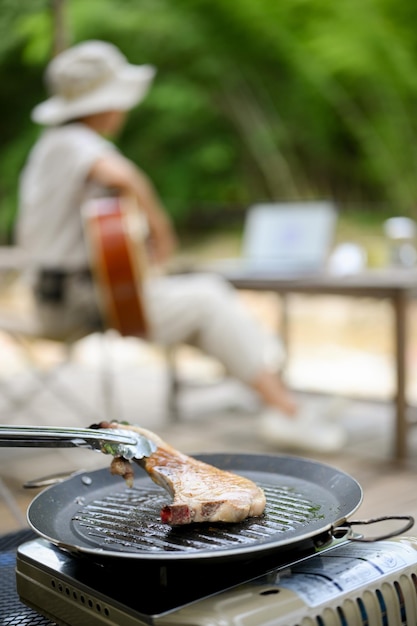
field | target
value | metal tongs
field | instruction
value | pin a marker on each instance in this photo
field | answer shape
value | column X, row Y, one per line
column 118, row 442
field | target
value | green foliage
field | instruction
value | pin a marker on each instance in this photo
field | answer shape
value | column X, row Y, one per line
column 262, row 99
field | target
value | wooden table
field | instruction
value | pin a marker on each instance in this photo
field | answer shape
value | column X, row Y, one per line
column 397, row 286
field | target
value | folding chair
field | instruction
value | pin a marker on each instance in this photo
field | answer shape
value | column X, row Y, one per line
column 25, row 332
column 21, row 326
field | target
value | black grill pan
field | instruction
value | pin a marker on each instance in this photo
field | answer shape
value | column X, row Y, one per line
column 94, row 513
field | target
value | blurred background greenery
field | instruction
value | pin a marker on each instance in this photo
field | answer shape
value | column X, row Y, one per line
column 255, row 100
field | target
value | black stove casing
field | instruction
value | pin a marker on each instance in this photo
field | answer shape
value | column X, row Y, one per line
column 346, row 582
column 112, row 590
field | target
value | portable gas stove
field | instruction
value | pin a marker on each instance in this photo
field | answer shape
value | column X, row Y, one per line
column 348, row 584
column 102, row 556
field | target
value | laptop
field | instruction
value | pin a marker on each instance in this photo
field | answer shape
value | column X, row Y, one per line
column 284, row 239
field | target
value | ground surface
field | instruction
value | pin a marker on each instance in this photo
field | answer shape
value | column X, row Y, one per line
column 338, row 348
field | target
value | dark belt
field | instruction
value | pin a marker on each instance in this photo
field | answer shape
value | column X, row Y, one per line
column 50, row 285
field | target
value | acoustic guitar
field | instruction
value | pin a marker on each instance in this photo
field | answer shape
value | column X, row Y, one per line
column 115, row 236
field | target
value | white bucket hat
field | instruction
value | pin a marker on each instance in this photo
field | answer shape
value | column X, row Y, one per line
column 91, row 77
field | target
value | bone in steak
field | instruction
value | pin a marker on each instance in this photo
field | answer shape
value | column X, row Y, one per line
column 200, row 492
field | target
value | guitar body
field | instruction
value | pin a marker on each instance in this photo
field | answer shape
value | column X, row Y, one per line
column 115, row 237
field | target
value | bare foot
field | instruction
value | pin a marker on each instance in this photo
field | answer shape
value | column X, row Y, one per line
column 274, row 393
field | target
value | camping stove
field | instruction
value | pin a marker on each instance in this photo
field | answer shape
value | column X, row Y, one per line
column 346, row 583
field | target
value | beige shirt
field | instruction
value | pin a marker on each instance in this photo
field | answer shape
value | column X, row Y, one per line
column 52, row 189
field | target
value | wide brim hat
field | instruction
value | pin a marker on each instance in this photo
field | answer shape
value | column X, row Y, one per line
column 91, row 77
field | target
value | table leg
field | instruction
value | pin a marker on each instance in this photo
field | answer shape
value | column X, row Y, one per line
column 400, row 329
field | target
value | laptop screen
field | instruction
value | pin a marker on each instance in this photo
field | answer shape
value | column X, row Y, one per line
column 289, row 236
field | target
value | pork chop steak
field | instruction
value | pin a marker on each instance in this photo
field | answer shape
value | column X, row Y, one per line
column 200, row 492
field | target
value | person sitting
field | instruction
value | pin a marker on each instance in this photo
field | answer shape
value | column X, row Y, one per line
column 92, row 87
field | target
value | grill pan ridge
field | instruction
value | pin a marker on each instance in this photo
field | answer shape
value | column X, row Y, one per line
column 113, row 521
column 95, row 513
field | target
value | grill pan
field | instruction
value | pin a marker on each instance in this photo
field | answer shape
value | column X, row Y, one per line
column 94, row 513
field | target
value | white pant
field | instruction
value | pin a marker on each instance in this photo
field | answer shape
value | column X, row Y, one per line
column 205, row 311
column 198, row 309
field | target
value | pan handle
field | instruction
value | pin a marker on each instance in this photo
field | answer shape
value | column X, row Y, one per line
column 347, row 532
column 51, row 479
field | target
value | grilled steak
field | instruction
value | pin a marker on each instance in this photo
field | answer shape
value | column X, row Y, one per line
column 200, row 492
